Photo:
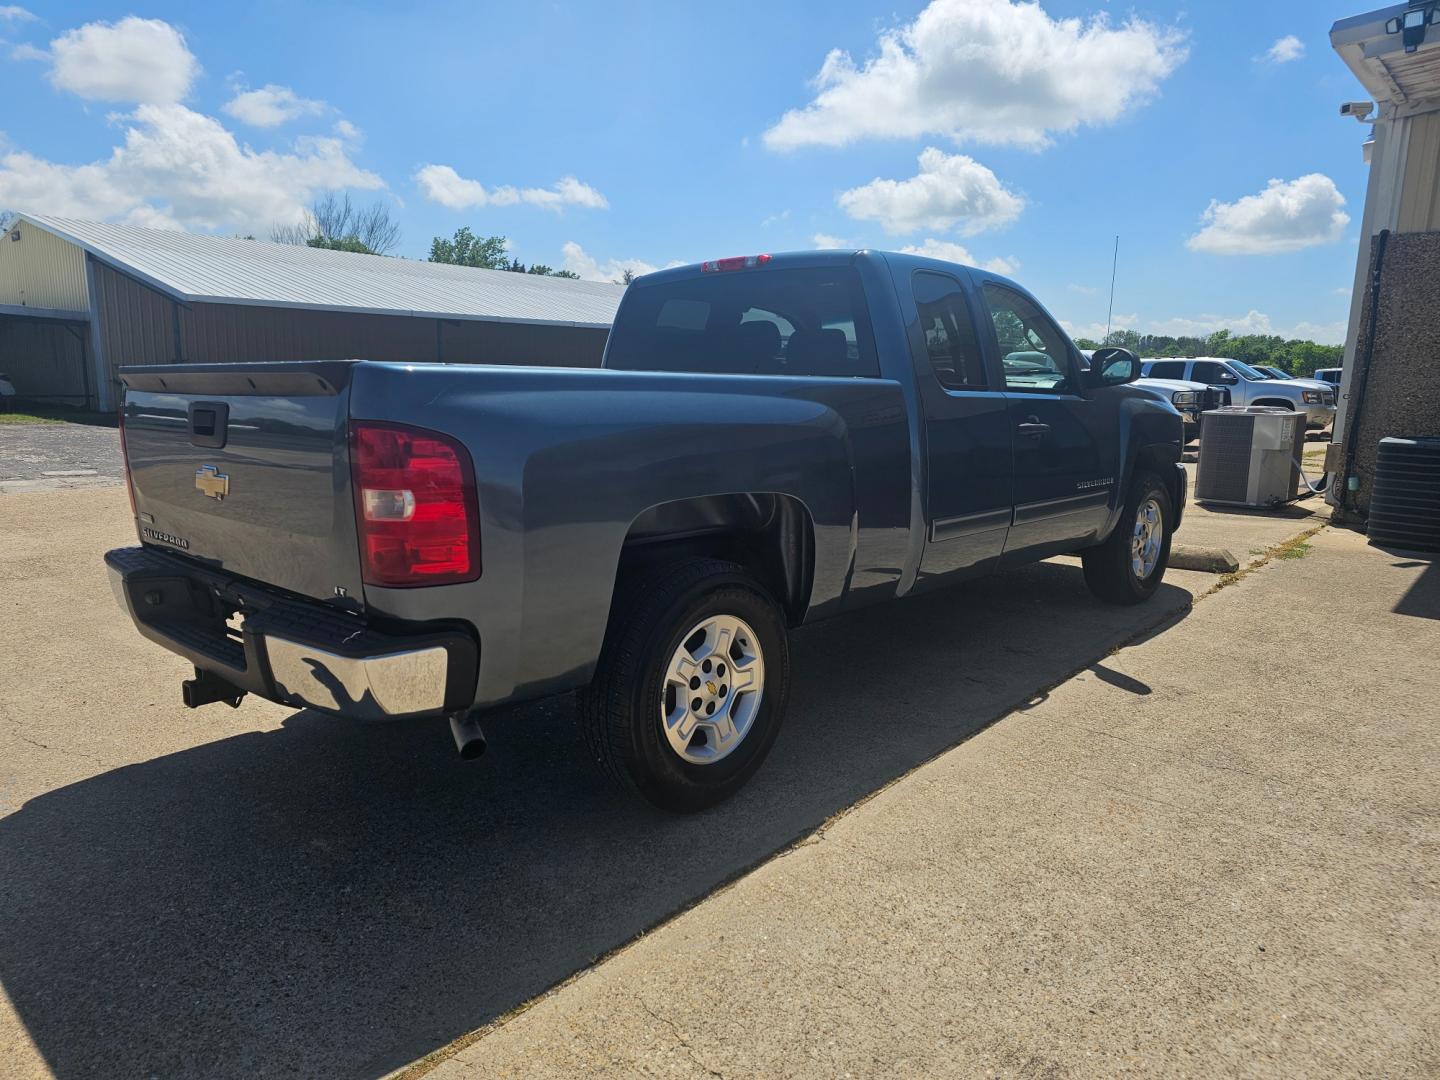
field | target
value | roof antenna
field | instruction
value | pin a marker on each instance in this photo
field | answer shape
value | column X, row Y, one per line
column 1114, row 262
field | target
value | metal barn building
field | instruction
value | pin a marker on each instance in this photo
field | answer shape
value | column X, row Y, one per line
column 80, row 299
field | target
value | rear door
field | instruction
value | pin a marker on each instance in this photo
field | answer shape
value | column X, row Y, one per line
column 968, row 456
column 245, row 467
column 1065, row 444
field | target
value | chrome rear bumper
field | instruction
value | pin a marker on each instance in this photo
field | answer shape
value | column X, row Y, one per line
column 289, row 649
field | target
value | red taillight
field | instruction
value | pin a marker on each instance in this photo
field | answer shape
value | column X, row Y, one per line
column 415, row 506
column 125, row 458
column 738, row 262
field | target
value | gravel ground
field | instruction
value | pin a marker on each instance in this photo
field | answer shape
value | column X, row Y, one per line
column 51, row 457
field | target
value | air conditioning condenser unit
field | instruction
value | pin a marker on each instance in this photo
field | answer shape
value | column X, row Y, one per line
column 1248, row 456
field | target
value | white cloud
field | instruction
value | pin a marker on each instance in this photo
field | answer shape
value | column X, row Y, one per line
column 775, row 219
column 271, row 106
column 1084, row 290
column 826, row 240
column 29, row 52
column 1284, row 50
column 991, row 71
column 180, row 168
column 1095, row 331
column 12, row 13
column 948, row 251
column 1252, row 322
column 133, row 60
column 1288, row 215
column 1331, row 333
column 591, row 269
column 348, row 131
column 949, row 189
column 442, row 184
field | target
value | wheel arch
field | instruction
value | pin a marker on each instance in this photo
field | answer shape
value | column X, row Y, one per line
column 1160, row 459
column 771, row 535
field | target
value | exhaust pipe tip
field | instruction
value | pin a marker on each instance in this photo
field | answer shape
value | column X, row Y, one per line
column 469, row 739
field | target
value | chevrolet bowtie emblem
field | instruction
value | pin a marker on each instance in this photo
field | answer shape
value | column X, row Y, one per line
column 212, row 482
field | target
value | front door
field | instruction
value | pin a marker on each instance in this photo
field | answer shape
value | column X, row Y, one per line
column 1065, row 451
column 967, row 439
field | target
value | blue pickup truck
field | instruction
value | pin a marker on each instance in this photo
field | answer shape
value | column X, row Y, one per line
column 770, row 441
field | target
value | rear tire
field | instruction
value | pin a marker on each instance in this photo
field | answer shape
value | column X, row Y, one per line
column 672, row 619
column 1128, row 567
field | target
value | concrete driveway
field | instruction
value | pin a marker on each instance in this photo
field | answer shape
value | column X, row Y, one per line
column 268, row 892
column 1151, row 873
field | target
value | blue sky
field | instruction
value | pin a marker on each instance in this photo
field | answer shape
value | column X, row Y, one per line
column 599, row 136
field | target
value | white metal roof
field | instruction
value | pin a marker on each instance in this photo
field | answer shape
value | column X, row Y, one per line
column 222, row 270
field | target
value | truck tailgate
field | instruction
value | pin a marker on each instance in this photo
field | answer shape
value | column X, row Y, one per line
column 245, row 467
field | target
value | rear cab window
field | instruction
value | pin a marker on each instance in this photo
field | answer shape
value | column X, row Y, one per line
column 951, row 345
column 785, row 321
column 1167, row 369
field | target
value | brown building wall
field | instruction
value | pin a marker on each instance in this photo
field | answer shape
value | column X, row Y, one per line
column 45, row 359
column 140, row 325
column 1402, row 384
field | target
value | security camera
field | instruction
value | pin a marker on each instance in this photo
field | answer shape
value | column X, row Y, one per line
column 1360, row 110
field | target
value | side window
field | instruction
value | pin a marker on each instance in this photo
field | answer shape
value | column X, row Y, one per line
column 1167, row 369
column 1035, row 354
column 1207, row 371
column 950, row 340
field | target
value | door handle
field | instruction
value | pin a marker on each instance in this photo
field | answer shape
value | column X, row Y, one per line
column 1033, row 428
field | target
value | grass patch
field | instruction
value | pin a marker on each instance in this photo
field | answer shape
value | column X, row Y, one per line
column 56, row 414
column 1288, row 549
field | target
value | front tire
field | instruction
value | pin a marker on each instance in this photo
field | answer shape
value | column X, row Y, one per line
column 1128, row 567
column 691, row 685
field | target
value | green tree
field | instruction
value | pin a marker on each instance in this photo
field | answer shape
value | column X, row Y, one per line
column 341, row 243
column 467, row 249
column 1296, row 356
column 545, row 271
column 486, row 252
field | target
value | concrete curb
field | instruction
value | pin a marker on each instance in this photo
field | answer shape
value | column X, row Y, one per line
column 1208, row 560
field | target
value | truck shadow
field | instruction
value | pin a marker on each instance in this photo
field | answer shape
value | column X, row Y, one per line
column 331, row 899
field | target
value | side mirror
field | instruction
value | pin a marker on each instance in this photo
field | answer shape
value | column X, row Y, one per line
column 1229, row 378
column 1113, row 367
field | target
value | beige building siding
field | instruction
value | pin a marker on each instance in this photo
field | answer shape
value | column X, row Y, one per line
column 1419, row 209
column 41, row 271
